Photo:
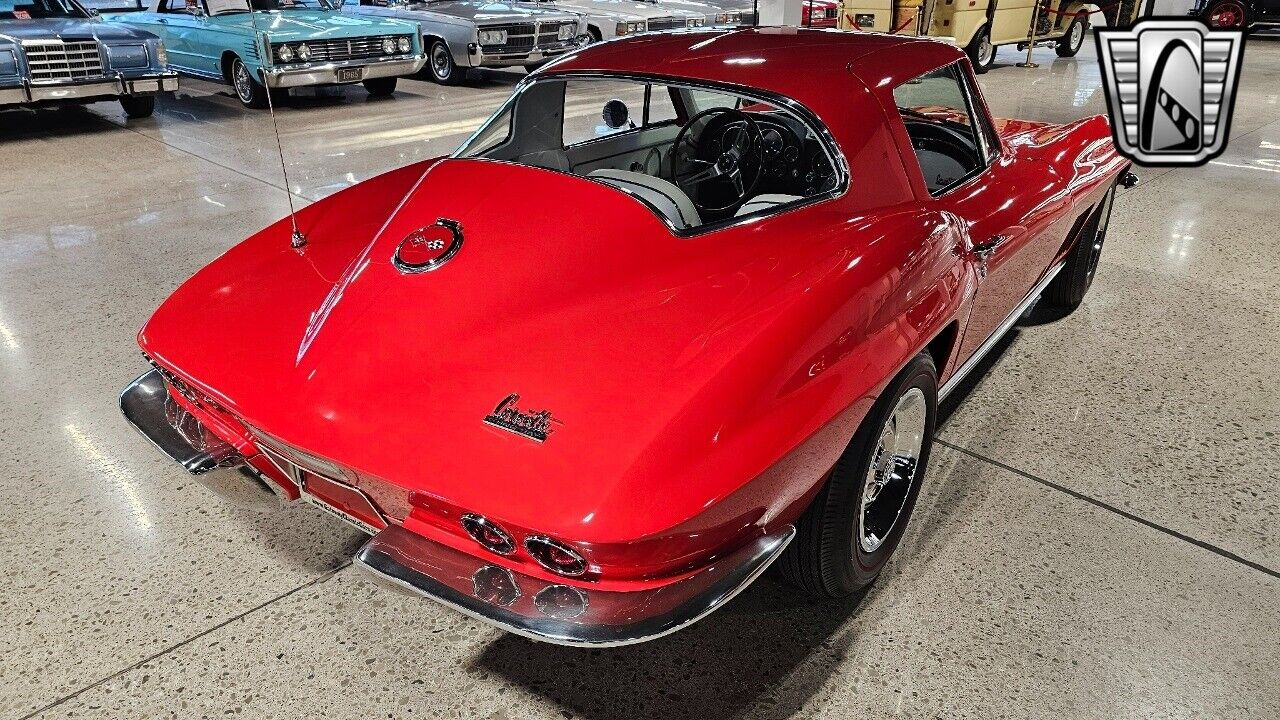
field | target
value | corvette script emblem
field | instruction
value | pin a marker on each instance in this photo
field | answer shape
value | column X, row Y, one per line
column 429, row 247
column 533, row 424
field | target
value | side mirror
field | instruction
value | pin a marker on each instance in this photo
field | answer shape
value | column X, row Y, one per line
column 615, row 114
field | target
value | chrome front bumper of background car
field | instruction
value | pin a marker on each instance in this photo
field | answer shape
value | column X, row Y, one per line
column 108, row 87
column 327, row 73
column 560, row 613
column 479, row 58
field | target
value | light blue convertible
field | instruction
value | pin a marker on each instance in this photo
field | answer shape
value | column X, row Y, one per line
column 280, row 44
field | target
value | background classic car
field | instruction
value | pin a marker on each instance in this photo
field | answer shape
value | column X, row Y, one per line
column 55, row 51
column 461, row 34
column 1237, row 13
column 616, row 18
column 824, row 233
column 310, row 44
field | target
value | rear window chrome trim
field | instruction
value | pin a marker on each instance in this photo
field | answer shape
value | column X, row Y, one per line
column 825, row 139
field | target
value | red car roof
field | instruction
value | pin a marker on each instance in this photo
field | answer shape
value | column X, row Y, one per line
column 811, row 66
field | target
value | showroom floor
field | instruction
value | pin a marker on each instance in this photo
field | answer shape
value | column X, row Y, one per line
column 1098, row 536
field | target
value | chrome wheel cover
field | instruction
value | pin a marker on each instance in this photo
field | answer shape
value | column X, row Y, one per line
column 242, row 81
column 1077, row 35
column 986, row 50
column 895, row 463
column 440, row 61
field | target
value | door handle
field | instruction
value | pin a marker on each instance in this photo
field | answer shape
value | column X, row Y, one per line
column 984, row 250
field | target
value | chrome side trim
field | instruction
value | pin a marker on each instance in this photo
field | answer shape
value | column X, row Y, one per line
column 958, row 376
column 606, row 618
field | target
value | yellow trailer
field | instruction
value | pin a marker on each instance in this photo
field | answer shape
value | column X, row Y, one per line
column 981, row 26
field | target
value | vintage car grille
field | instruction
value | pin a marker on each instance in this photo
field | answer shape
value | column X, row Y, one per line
column 339, row 50
column 57, row 60
column 667, row 23
column 523, row 37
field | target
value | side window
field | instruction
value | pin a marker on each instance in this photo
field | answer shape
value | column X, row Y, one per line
column 584, row 119
column 949, row 141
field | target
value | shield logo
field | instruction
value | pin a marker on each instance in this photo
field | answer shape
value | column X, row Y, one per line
column 427, row 248
column 1170, row 87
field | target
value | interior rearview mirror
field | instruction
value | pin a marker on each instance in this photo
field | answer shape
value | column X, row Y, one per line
column 615, row 114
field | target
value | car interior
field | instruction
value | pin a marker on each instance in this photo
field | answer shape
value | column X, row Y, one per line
column 695, row 156
column 940, row 124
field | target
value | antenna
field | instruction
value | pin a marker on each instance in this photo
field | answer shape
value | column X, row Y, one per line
column 297, row 239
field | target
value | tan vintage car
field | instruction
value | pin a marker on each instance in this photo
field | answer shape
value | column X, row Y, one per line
column 981, row 26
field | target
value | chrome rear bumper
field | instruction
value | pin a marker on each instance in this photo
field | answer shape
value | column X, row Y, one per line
column 177, row 434
column 560, row 613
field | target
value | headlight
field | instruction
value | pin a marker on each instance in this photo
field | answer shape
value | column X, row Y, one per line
column 286, row 53
column 304, row 52
column 729, row 19
column 8, row 65
column 493, row 37
column 630, row 27
column 567, row 32
column 123, row 57
column 162, row 55
column 404, row 45
column 694, row 22
column 388, row 46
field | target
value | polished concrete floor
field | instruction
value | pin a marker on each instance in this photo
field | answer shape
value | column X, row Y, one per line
column 1097, row 537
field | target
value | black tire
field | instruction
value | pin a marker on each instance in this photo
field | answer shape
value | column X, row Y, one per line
column 380, row 87
column 1073, row 281
column 594, row 32
column 1226, row 15
column 982, row 54
column 533, row 67
column 251, row 93
column 440, row 63
column 827, row 557
column 1071, row 43
column 137, row 107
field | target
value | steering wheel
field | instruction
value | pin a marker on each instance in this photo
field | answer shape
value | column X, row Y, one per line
column 729, row 163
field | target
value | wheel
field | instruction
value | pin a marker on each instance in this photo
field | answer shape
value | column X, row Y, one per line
column 380, row 87
column 1070, row 43
column 138, row 106
column 1227, row 14
column 252, row 94
column 1073, row 281
column 440, row 60
column 595, row 34
column 980, row 50
column 848, row 533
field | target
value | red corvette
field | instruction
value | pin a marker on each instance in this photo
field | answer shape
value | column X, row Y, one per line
column 702, row 327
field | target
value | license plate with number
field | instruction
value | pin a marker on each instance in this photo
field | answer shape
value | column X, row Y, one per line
column 350, row 74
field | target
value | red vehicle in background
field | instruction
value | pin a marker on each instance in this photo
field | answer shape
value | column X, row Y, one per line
column 819, row 13
column 708, row 334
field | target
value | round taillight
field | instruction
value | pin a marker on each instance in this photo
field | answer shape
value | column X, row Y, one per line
column 556, row 556
column 488, row 534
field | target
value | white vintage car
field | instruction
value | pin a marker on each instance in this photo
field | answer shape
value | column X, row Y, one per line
column 462, row 34
column 615, row 18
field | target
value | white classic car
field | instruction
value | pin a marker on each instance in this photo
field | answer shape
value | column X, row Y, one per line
column 615, row 18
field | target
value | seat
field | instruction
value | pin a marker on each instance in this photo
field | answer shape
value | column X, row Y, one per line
column 764, row 202
column 663, row 196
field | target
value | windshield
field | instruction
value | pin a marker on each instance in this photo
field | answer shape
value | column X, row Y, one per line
column 222, row 7
column 695, row 155
column 39, row 9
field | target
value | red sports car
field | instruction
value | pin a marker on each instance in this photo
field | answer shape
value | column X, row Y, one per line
column 704, row 327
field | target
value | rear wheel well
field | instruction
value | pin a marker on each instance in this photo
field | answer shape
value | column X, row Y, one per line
column 228, row 57
column 595, row 33
column 942, row 345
